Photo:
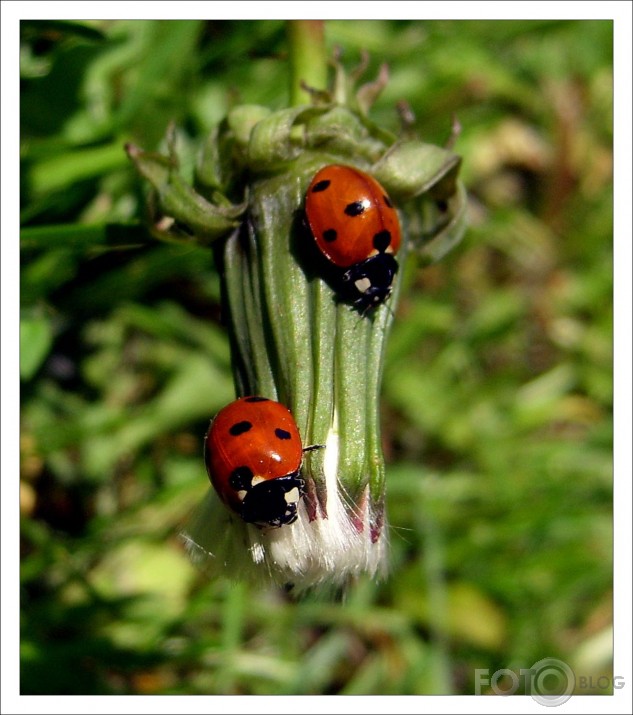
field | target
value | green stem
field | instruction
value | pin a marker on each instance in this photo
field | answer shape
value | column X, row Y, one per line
column 308, row 63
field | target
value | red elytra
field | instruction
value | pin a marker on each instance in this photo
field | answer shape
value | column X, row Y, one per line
column 253, row 455
column 351, row 216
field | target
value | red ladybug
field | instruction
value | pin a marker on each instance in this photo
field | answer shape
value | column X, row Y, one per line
column 356, row 228
column 253, row 456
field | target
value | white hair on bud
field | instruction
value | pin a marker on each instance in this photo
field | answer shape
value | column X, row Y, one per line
column 322, row 552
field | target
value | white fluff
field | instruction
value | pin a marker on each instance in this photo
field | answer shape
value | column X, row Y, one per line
column 323, row 552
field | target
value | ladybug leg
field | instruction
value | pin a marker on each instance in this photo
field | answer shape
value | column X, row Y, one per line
column 313, row 447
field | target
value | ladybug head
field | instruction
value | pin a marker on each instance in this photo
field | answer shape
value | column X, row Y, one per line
column 369, row 282
column 273, row 502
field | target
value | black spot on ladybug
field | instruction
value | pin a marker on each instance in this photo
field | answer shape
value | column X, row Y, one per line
column 240, row 427
column 282, row 434
column 355, row 208
column 329, row 235
column 256, row 399
column 241, row 478
column 321, row 186
column 382, row 241
column 387, row 201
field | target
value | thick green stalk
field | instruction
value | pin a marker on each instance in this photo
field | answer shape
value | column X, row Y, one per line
column 308, row 62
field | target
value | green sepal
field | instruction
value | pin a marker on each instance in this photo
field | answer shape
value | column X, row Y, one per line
column 241, row 121
column 178, row 201
column 423, row 179
column 274, row 141
column 440, row 226
column 341, row 131
column 411, row 168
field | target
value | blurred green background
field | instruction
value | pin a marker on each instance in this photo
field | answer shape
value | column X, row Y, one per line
column 497, row 395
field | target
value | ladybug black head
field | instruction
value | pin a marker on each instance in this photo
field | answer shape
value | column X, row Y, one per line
column 273, row 502
column 369, row 282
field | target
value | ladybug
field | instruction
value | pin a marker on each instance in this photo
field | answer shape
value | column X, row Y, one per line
column 253, row 456
column 357, row 229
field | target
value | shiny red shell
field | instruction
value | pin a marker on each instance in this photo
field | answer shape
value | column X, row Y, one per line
column 253, row 436
column 351, row 216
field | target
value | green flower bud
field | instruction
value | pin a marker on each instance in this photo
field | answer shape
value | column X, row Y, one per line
column 292, row 338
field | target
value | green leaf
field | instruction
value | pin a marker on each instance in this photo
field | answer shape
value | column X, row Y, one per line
column 61, row 171
column 36, row 337
column 81, row 236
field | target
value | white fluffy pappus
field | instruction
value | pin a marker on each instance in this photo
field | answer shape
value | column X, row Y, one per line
column 322, row 552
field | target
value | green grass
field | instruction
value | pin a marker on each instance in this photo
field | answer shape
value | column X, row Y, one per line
column 497, row 397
